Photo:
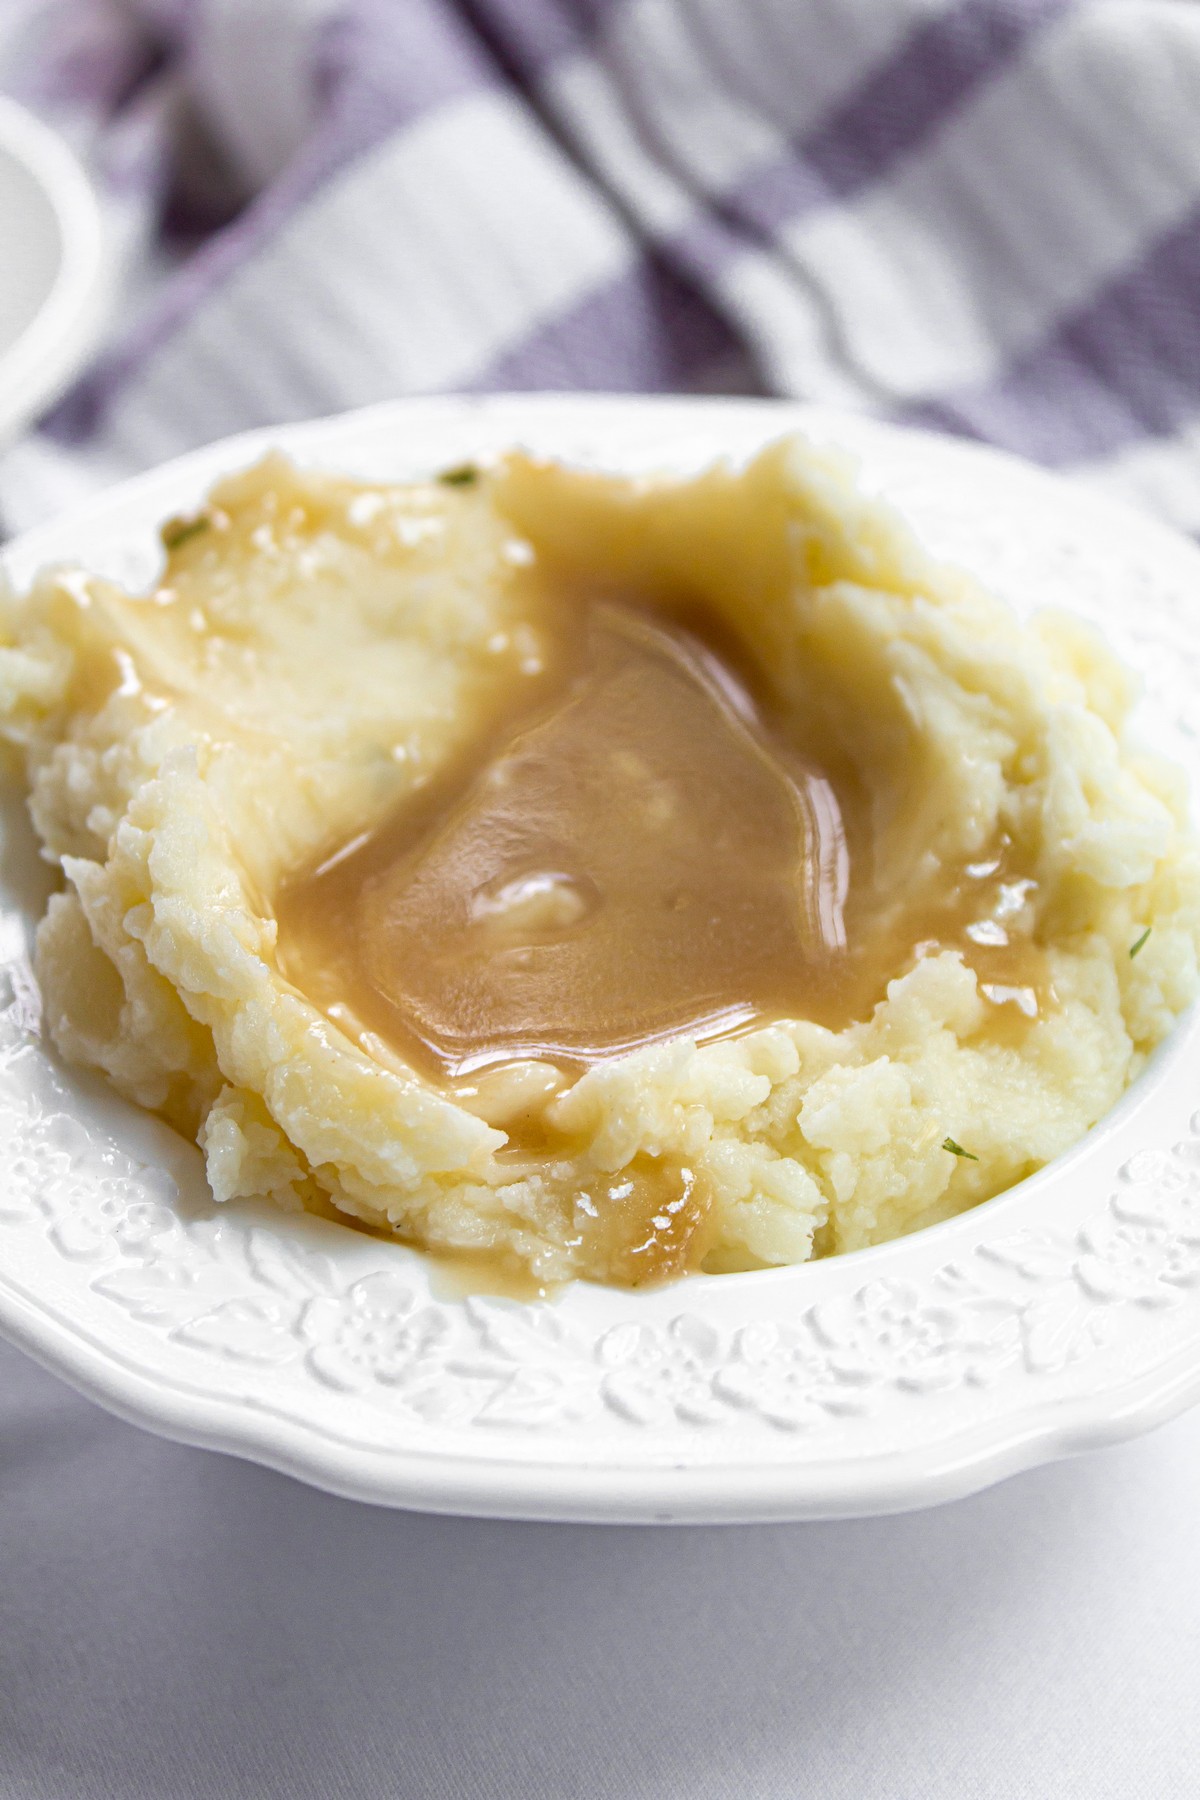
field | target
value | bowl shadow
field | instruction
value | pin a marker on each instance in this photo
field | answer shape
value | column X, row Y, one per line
column 220, row 1630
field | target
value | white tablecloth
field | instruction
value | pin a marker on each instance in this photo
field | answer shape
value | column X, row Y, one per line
column 175, row 1625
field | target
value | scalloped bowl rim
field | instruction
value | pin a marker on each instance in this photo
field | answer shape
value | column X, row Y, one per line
column 693, row 1468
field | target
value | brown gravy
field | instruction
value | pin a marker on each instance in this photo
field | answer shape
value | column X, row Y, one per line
column 634, row 848
column 641, row 857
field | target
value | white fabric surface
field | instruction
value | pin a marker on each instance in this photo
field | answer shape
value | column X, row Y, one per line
column 176, row 1625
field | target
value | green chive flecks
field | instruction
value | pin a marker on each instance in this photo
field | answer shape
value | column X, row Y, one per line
column 957, row 1150
column 462, row 475
column 1134, row 948
column 178, row 531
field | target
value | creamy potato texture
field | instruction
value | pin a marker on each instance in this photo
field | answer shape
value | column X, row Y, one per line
column 319, row 655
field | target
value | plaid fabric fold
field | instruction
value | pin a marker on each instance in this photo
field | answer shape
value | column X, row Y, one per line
column 982, row 216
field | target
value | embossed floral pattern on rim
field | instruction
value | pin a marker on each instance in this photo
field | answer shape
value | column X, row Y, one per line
column 1063, row 1314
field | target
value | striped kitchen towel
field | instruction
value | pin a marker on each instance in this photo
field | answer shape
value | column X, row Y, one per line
column 982, row 215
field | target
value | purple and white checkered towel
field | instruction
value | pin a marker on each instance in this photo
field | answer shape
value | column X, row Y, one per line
column 978, row 214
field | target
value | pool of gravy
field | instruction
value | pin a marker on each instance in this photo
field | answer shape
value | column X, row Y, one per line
column 632, row 847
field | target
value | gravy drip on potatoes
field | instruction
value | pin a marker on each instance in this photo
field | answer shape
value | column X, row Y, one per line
column 632, row 848
column 634, row 853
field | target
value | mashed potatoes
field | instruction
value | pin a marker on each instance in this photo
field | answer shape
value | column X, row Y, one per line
column 318, row 650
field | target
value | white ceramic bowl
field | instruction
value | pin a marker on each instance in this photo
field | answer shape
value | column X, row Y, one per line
column 1063, row 1314
column 53, row 272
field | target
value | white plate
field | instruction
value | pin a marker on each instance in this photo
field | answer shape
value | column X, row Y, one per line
column 1063, row 1314
column 53, row 275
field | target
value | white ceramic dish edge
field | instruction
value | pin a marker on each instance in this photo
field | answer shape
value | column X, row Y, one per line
column 36, row 367
column 1063, row 1315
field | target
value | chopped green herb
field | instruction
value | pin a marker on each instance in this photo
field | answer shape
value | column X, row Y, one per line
column 957, row 1150
column 462, row 475
column 1134, row 948
column 178, row 531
